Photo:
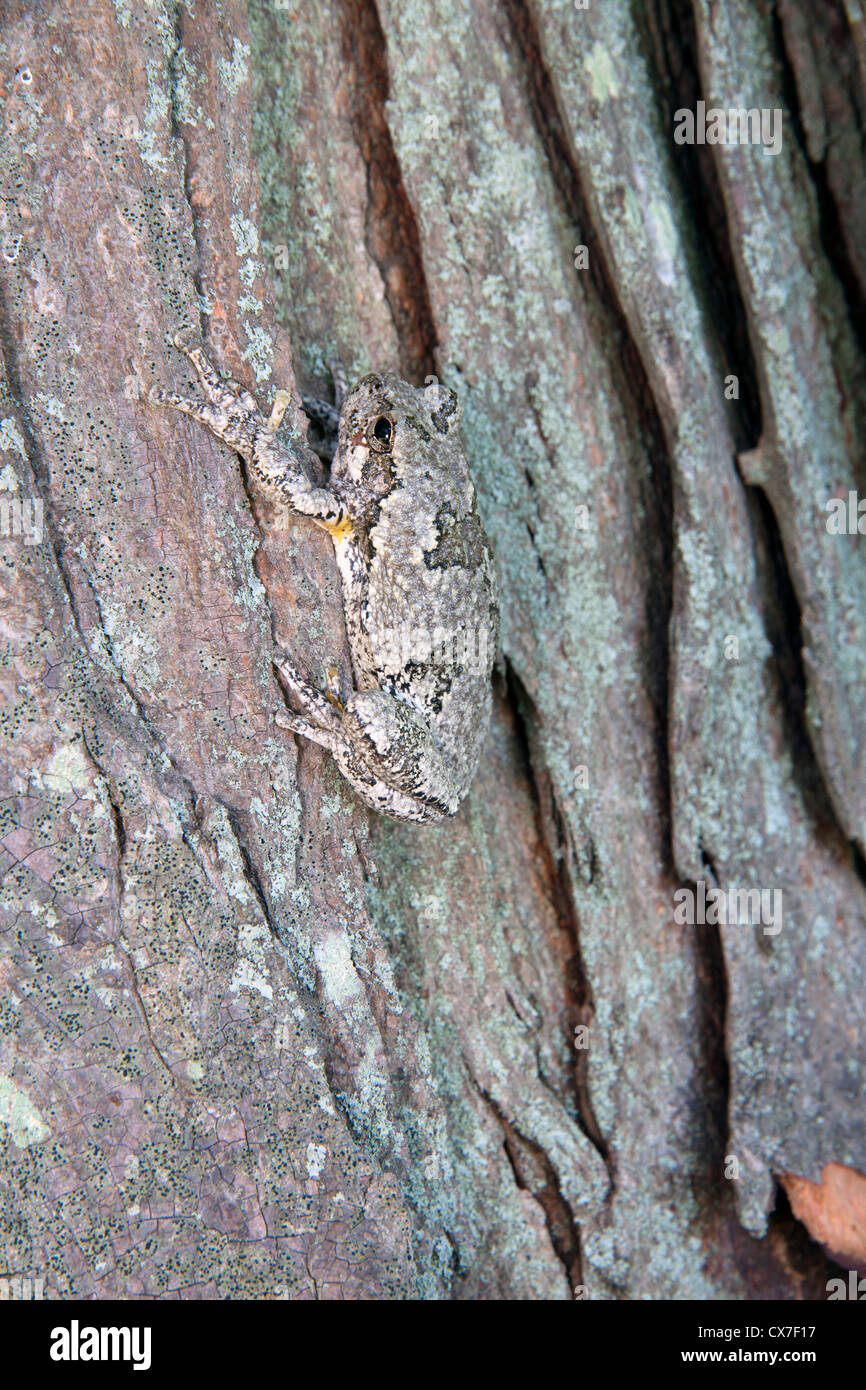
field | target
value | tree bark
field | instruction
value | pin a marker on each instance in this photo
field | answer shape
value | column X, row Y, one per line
column 257, row 1041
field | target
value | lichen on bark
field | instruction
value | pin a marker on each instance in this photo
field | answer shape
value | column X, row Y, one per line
column 254, row 1040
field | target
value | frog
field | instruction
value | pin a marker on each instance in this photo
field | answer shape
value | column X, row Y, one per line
column 417, row 572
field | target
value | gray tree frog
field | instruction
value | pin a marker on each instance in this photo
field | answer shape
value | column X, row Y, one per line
column 419, row 589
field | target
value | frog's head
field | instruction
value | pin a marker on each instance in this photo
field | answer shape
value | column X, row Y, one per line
column 389, row 430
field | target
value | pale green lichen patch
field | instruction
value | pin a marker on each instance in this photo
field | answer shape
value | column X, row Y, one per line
column 599, row 65
column 67, row 770
column 251, row 972
column 259, row 351
column 186, row 78
column 150, row 138
column 20, row 1116
column 10, row 437
column 245, row 233
column 315, row 1155
column 337, row 969
column 233, row 72
column 250, row 304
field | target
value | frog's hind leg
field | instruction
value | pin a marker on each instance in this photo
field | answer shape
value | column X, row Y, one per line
column 234, row 432
column 298, row 724
column 315, row 703
column 396, row 745
column 377, row 792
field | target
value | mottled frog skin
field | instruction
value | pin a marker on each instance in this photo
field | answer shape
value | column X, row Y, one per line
column 419, row 590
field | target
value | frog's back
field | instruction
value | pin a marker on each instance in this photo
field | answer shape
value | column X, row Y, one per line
column 418, row 573
column 432, row 612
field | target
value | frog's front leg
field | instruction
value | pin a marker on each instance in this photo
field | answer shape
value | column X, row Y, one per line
column 231, row 414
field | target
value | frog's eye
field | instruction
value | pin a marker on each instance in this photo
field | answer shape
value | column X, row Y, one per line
column 382, row 435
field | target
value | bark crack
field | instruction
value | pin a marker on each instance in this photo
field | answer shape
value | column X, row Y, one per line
column 176, row 128
column 713, row 992
column 534, row 1173
column 783, row 625
column 391, row 229
column 672, row 52
column 556, row 852
column 120, row 838
column 633, row 385
column 831, row 223
column 136, row 992
column 251, row 873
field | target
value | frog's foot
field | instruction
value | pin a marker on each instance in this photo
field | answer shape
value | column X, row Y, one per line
column 229, row 411
column 317, row 706
column 220, row 391
column 298, row 724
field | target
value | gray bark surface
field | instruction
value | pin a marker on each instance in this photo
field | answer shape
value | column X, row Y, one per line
column 256, row 1041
